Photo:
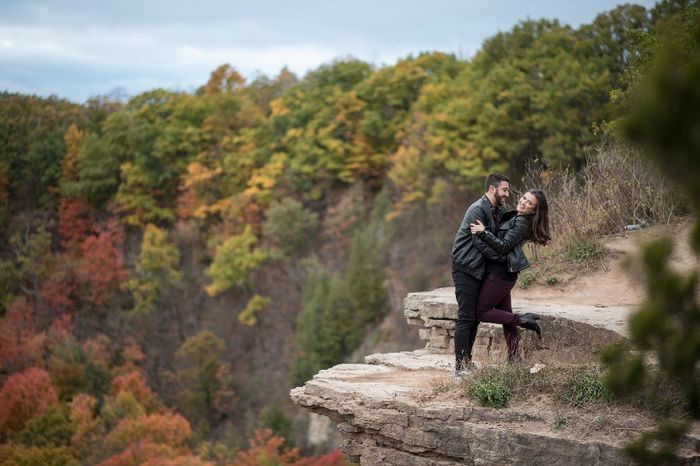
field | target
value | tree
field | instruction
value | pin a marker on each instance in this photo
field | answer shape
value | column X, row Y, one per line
column 266, row 448
column 289, row 227
column 234, row 260
column 364, row 276
column 74, row 370
column 12, row 454
column 205, row 384
column 665, row 120
column 169, row 430
column 16, row 333
column 255, row 304
column 101, row 268
column 309, row 327
column 87, row 428
column 52, row 428
column 157, row 270
column 23, row 396
column 74, row 214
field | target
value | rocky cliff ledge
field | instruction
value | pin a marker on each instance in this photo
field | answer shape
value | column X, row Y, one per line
column 404, row 408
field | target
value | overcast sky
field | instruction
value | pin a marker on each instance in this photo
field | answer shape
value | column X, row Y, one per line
column 77, row 49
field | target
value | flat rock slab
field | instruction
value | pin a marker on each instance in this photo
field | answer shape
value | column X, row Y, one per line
column 389, row 414
column 442, row 304
column 413, row 360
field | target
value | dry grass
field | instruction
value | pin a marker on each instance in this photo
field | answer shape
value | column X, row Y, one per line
column 617, row 190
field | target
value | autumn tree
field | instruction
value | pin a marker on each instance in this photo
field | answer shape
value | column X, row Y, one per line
column 16, row 332
column 101, row 267
column 74, row 213
column 205, row 383
column 157, row 270
column 23, row 396
column 266, row 448
column 235, row 259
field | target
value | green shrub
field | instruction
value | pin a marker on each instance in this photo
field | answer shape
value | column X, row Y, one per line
column 583, row 251
column 560, row 422
column 586, row 387
column 526, row 278
column 491, row 388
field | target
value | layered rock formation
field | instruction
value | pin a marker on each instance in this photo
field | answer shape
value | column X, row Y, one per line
column 403, row 408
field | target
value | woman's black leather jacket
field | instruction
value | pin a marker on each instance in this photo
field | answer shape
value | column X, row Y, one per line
column 507, row 244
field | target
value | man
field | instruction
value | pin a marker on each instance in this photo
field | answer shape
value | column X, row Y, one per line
column 468, row 266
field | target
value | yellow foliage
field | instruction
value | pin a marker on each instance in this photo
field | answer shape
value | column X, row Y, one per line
column 264, row 179
column 278, row 108
column 248, row 315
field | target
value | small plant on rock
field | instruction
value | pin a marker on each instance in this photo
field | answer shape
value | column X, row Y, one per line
column 586, row 387
column 490, row 388
column 526, row 278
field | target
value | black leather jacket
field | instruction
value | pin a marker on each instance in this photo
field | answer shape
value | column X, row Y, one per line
column 464, row 253
column 507, row 243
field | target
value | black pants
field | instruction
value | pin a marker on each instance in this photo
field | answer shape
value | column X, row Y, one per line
column 467, row 293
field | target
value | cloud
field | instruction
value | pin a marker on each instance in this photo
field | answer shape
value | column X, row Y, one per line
column 79, row 48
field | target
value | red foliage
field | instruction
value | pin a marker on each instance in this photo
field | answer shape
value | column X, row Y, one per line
column 24, row 396
column 138, row 453
column 61, row 329
column 168, row 429
column 266, row 448
column 102, row 268
column 74, row 222
column 254, row 217
column 58, row 289
column 16, row 330
column 134, row 383
column 334, row 458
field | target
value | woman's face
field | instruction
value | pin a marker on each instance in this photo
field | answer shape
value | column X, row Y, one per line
column 527, row 204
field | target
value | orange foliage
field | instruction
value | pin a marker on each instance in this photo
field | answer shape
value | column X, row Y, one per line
column 254, row 217
column 74, row 222
column 16, row 331
column 60, row 330
column 102, row 269
column 147, row 453
column 25, row 395
column 169, row 429
column 134, row 383
column 223, row 79
column 58, row 288
column 69, row 165
column 266, row 448
column 334, row 458
column 98, row 349
column 86, row 426
column 140, row 452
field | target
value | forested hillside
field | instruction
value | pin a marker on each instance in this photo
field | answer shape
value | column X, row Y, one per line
column 171, row 265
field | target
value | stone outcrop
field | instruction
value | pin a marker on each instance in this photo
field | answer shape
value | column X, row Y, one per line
column 401, row 408
column 573, row 328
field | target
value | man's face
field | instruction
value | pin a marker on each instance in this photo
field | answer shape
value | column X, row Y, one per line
column 502, row 192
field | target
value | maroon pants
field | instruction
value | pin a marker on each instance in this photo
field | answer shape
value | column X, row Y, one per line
column 494, row 306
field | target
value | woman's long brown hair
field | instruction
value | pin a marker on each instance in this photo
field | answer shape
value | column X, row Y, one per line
column 540, row 220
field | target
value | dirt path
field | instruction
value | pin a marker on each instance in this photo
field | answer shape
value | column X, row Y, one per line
column 615, row 285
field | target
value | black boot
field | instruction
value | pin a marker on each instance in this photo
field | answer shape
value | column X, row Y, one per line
column 532, row 325
column 529, row 317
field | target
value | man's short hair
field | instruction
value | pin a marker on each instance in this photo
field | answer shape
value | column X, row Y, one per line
column 495, row 179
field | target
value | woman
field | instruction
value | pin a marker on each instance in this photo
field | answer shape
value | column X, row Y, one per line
column 505, row 258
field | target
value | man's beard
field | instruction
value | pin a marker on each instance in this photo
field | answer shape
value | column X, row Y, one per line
column 500, row 200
